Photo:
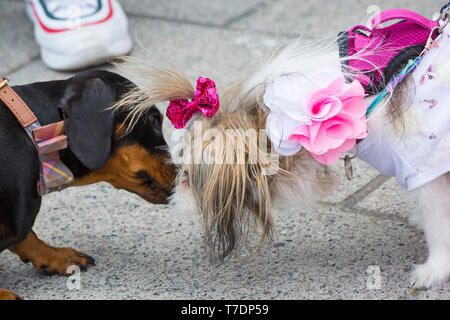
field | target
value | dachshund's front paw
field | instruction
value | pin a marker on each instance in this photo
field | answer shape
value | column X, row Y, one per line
column 8, row 295
column 58, row 260
column 50, row 260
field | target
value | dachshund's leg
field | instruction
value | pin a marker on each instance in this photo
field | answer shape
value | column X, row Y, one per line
column 8, row 295
column 50, row 260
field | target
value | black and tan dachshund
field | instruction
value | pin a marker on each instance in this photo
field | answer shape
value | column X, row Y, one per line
column 99, row 149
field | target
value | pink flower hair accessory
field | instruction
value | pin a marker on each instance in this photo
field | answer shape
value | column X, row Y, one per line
column 205, row 100
column 325, row 118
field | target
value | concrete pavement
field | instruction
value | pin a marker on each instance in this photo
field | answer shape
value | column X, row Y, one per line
column 145, row 251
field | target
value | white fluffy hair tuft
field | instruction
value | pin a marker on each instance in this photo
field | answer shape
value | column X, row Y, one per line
column 297, row 56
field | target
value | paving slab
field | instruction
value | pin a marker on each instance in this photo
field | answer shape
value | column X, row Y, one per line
column 145, row 251
column 362, row 175
column 224, row 55
column 203, row 12
column 17, row 44
column 390, row 198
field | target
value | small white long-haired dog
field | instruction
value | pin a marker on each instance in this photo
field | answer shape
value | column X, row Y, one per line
column 233, row 191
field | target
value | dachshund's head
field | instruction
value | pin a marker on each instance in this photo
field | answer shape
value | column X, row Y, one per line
column 134, row 159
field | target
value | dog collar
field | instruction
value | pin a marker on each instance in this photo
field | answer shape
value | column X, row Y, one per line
column 373, row 55
column 48, row 140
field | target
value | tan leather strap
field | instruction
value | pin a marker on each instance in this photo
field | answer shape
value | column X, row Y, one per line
column 17, row 106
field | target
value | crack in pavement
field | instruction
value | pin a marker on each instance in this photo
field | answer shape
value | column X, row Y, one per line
column 22, row 65
column 243, row 15
column 355, row 198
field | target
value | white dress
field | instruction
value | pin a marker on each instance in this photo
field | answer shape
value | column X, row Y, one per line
column 418, row 159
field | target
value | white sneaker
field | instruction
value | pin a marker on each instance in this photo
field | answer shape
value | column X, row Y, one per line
column 75, row 34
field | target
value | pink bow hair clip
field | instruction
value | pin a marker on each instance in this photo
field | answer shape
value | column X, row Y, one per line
column 205, row 100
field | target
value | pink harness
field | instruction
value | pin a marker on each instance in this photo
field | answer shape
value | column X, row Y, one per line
column 373, row 55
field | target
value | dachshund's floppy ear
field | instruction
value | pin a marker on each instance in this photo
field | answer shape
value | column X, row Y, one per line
column 88, row 125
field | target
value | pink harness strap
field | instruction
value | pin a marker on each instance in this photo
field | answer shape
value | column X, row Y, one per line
column 373, row 55
column 403, row 14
